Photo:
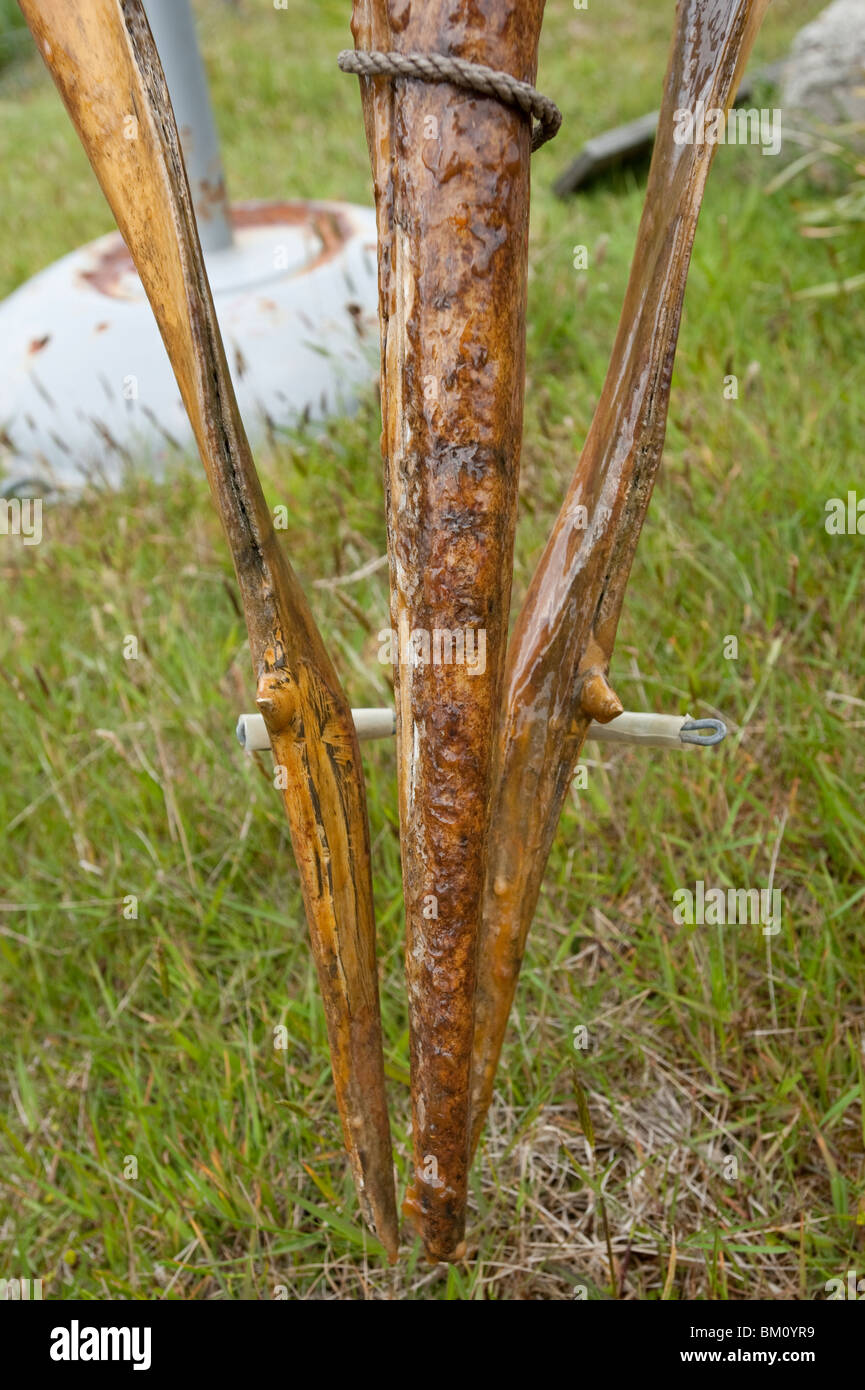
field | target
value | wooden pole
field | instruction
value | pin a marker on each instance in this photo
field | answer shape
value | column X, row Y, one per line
column 451, row 177
column 559, row 657
column 104, row 62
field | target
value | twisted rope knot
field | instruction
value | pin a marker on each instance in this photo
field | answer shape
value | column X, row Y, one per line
column 475, row 77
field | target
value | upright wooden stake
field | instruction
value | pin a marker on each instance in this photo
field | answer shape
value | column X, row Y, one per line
column 451, row 176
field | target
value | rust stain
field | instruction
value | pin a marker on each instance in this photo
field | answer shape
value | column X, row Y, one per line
column 109, row 269
column 356, row 313
column 332, row 228
column 212, row 198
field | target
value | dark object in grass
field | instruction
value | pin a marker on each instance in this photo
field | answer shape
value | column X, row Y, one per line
column 631, row 144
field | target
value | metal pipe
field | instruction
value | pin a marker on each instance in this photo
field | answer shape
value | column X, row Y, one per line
column 173, row 26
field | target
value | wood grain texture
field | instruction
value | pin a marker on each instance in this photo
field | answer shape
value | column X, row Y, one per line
column 103, row 60
column 560, row 652
column 451, row 177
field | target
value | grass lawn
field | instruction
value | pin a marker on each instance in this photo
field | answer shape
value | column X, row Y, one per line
column 708, row 1144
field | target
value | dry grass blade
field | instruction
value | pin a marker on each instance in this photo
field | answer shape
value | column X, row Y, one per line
column 104, row 62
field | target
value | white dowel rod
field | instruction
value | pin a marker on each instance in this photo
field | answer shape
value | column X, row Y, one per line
column 651, row 730
column 654, row 730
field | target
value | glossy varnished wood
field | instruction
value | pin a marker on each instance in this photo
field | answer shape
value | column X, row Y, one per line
column 451, row 176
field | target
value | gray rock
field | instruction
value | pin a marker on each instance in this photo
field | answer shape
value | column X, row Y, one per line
column 824, row 80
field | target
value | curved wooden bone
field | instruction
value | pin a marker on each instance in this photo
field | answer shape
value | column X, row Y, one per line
column 104, row 62
column 559, row 655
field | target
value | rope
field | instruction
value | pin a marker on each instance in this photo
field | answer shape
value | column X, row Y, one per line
column 476, row 77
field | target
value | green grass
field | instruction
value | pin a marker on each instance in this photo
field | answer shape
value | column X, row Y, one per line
column 14, row 40
column 151, row 1037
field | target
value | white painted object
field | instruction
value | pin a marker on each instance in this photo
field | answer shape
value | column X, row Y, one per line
column 85, row 384
column 86, row 389
column 652, row 730
column 253, row 737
